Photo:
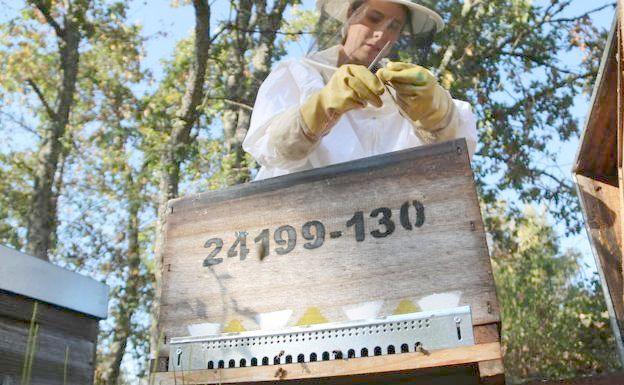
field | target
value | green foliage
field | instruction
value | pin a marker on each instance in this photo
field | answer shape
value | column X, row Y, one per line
column 555, row 323
column 15, row 171
column 505, row 57
column 31, row 347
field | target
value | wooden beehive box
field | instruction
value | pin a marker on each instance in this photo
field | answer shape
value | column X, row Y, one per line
column 59, row 309
column 402, row 233
column 600, row 178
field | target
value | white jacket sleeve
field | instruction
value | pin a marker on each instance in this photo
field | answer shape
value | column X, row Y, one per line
column 275, row 137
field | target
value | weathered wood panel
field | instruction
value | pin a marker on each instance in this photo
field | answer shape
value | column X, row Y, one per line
column 601, row 202
column 79, row 325
column 59, row 330
column 600, row 175
column 442, row 261
column 491, row 371
column 598, row 152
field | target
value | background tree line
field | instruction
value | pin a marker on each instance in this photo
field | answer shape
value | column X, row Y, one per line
column 95, row 145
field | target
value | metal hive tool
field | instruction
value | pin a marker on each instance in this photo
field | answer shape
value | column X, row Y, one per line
column 423, row 331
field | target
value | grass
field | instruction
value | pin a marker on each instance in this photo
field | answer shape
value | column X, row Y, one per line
column 65, row 363
column 31, row 347
column 31, row 350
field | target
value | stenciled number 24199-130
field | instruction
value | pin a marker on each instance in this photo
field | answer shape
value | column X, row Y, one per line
column 314, row 232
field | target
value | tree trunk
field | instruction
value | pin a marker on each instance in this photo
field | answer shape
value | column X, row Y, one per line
column 131, row 297
column 176, row 148
column 235, row 125
column 236, row 119
column 42, row 214
column 130, row 301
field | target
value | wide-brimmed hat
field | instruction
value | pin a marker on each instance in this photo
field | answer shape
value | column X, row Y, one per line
column 423, row 19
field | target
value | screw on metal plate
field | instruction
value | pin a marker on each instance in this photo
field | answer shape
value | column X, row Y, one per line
column 459, row 150
column 178, row 356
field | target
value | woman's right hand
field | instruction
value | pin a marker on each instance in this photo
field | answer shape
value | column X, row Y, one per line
column 351, row 86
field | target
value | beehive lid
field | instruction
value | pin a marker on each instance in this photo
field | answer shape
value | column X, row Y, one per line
column 37, row 279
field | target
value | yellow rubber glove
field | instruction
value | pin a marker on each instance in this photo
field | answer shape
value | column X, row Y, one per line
column 351, row 86
column 419, row 94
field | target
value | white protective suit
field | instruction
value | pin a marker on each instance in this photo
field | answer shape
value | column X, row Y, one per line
column 358, row 134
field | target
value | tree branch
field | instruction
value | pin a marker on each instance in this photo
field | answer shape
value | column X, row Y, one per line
column 515, row 107
column 219, row 32
column 516, row 38
column 584, row 15
column 466, row 13
column 43, row 100
column 233, row 102
column 20, row 122
column 524, row 55
column 195, row 81
column 264, row 31
column 44, row 8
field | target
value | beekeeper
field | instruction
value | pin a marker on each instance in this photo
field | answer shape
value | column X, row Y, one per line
column 330, row 107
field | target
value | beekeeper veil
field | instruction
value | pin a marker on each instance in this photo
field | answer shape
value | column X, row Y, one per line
column 364, row 31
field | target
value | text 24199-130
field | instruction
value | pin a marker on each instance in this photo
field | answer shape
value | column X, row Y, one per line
column 314, row 232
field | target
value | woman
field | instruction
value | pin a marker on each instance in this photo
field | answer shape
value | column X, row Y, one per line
column 328, row 107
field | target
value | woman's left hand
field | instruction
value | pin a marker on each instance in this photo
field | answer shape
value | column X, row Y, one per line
column 419, row 94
